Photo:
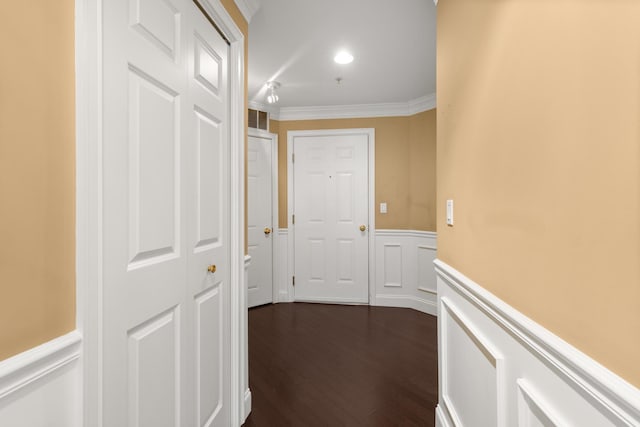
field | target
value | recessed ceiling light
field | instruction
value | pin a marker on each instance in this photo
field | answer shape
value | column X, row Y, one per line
column 343, row 57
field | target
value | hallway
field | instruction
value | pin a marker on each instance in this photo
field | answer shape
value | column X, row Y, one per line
column 321, row 365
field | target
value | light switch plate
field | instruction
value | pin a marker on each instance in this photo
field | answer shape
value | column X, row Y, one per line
column 449, row 212
column 383, row 207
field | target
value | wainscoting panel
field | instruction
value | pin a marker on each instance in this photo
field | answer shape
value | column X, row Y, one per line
column 499, row 368
column 392, row 265
column 405, row 276
column 282, row 284
column 42, row 386
column 473, row 368
column 404, row 272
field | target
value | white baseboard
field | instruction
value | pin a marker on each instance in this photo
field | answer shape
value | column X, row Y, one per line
column 441, row 418
column 247, row 404
column 515, row 372
column 41, row 387
column 407, row 301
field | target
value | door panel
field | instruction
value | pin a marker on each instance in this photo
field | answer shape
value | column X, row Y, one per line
column 259, row 201
column 207, row 223
column 154, row 362
column 165, row 318
column 330, row 204
column 154, row 172
column 210, row 363
column 157, row 21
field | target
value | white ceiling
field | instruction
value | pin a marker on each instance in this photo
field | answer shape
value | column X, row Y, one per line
column 294, row 42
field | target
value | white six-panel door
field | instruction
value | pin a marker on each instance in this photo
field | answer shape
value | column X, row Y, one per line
column 331, row 207
column 260, row 219
column 165, row 312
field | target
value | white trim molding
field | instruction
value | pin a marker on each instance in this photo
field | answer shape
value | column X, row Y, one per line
column 547, row 381
column 281, row 263
column 40, row 387
column 396, row 109
column 404, row 273
column 244, row 380
column 237, row 128
column 424, row 103
column 247, row 8
column 30, row 366
column 406, row 233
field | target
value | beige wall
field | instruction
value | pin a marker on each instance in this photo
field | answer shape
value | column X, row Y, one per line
column 422, row 171
column 37, row 174
column 539, row 146
column 37, row 171
column 405, row 162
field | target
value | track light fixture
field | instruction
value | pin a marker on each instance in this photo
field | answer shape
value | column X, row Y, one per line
column 272, row 96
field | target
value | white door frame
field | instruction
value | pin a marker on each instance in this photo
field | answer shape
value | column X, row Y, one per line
column 371, row 179
column 89, row 78
column 275, row 227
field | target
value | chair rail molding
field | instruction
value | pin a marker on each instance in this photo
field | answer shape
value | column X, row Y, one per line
column 547, row 382
column 41, row 386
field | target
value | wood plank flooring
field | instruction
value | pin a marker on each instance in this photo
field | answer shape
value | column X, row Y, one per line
column 336, row 365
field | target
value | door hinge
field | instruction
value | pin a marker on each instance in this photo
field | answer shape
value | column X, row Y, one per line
column 294, row 280
column 293, row 219
column 293, row 157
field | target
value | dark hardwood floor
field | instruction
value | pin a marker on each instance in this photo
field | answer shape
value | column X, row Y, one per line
column 336, row 365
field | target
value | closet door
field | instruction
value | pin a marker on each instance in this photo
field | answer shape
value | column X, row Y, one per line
column 165, row 316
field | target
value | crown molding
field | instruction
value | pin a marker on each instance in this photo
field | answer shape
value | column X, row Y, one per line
column 248, row 8
column 396, row 109
column 424, row 103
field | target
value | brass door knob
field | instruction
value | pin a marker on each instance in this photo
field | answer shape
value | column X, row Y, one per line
column 267, row 230
column 363, row 227
column 211, row 268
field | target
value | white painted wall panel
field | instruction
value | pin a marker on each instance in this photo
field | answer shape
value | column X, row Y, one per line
column 392, row 265
column 283, row 265
column 473, row 371
column 426, row 272
column 404, row 272
column 405, row 276
column 545, row 382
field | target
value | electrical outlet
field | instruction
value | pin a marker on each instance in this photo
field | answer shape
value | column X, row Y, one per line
column 450, row 212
